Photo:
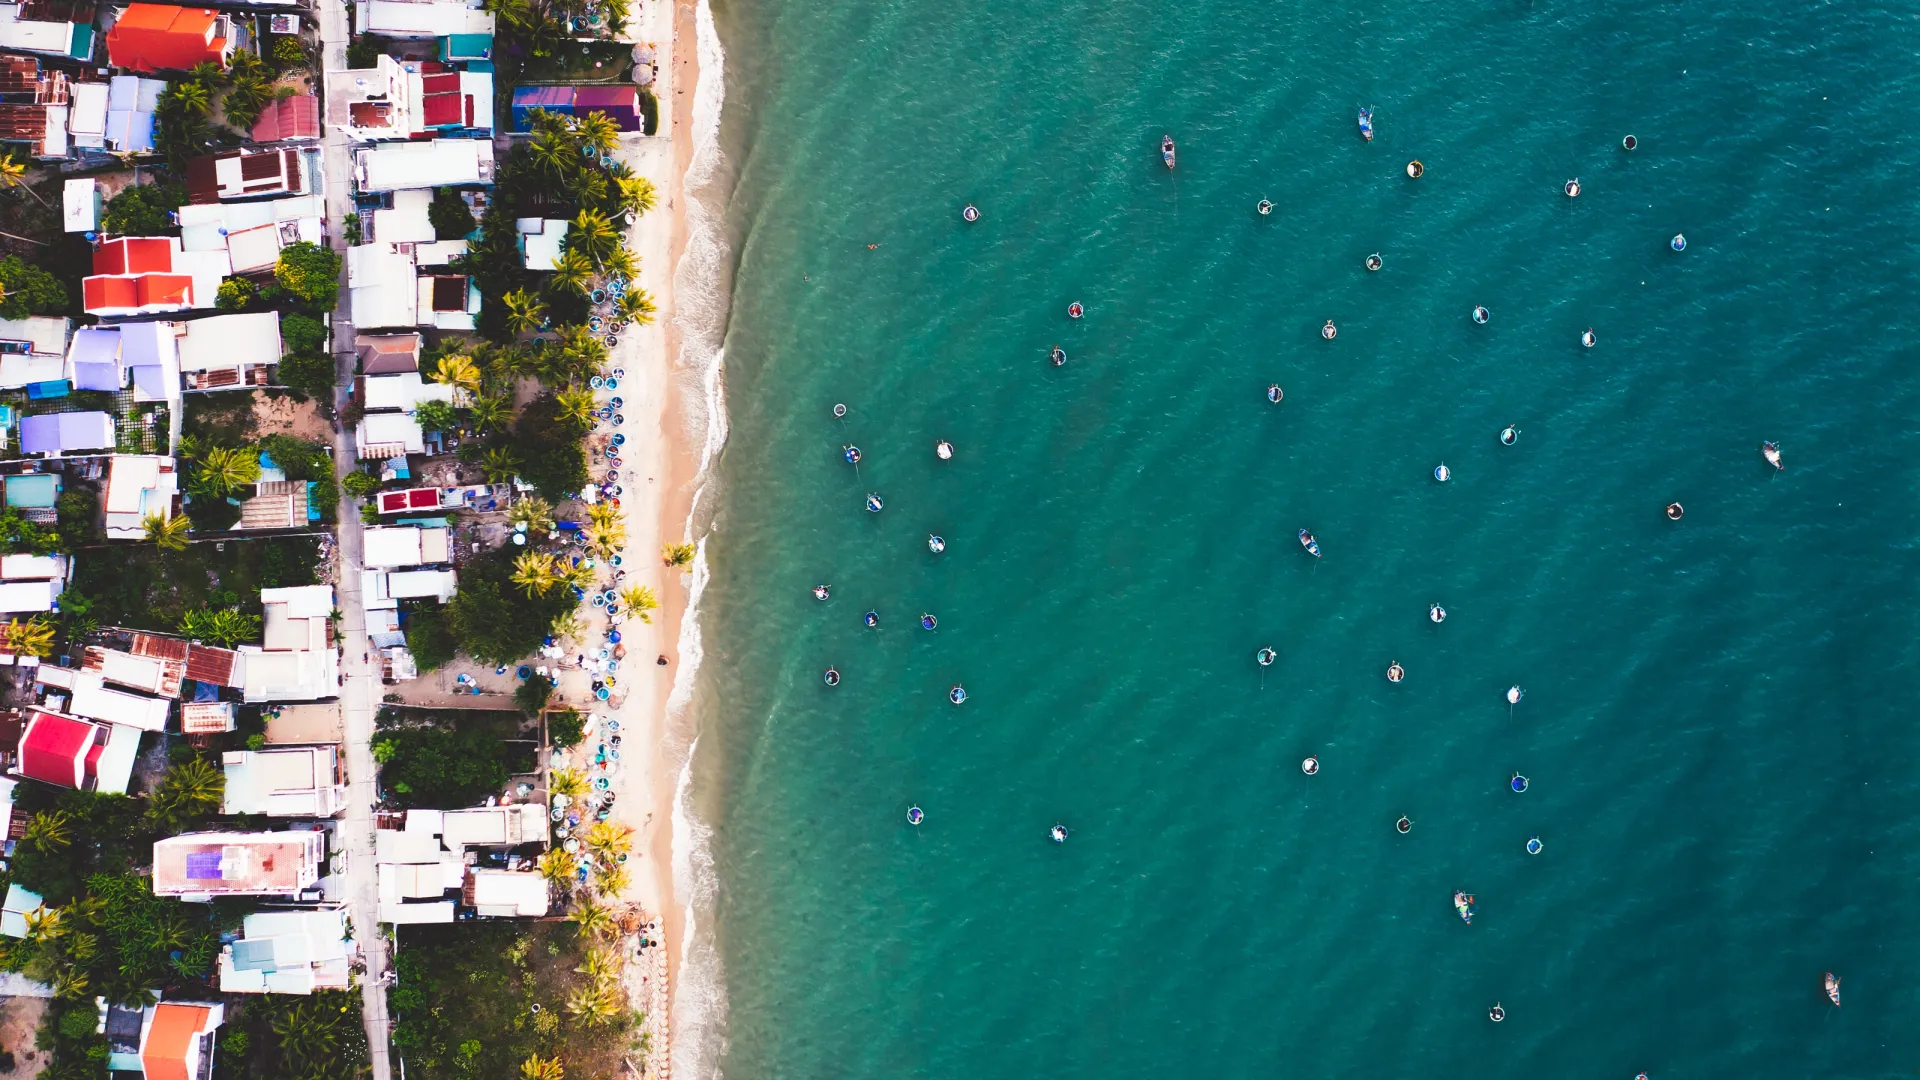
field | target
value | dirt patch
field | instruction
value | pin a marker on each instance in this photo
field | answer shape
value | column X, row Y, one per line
column 19, row 1019
column 282, row 415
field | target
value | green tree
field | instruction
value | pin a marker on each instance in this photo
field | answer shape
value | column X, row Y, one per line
column 189, row 792
column 551, row 457
column 636, row 306
column 143, row 210
column 572, row 271
column 677, row 554
column 635, row 193
column 639, row 601
column 302, row 333
column 525, row 311
column 592, row 235
column 491, row 621
column 310, row 272
column 287, row 53
column 28, row 290
column 434, row 416
column 532, row 694
column 429, row 638
column 310, row 374
column 565, row 729
column 491, row 413
column 449, row 215
column 34, row 637
column 361, row 484
column 50, row 831
column 223, row 470
column 235, row 294
column 225, row 627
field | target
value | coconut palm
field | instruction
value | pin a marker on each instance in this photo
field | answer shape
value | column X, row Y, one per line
column 586, row 187
column 517, row 14
column 45, row 924
column 677, row 554
column 639, row 600
column 69, row 983
column 169, row 534
column 190, row 98
column 491, row 413
column 605, row 540
column 499, row 464
column 34, row 637
column 606, row 841
column 592, row 919
column 191, row 789
column 594, row 1005
column 525, row 311
column 539, row 1068
column 580, row 353
column 573, row 270
column 597, row 131
column 535, row 572
column 457, row 371
column 221, row 471
column 636, row 306
column 14, row 175
column 568, row 627
column 620, row 263
column 552, row 149
column 569, row 782
column 577, row 406
column 49, row 830
column 592, row 235
column 636, row 194
column 208, row 74
column 532, row 511
column 575, row 575
column 523, row 361
column 600, row 966
column 611, row 879
column 557, row 867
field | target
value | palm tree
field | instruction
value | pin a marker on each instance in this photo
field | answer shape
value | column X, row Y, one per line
column 604, row 516
column 594, row 1005
column 636, row 306
column 606, row 841
column 33, row 637
column 677, row 554
column 190, row 790
column 557, row 867
column 492, row 412
column 457, row 371
column 575, row 576
column 595, row 130
column 223, row 470
column 208, row 74
column 532, row 511
column 620, row 263
column 49, row 831
column 592, row 235
column 14, row 175
column 191, row 98
column 500, row 464
column 45, row 924
column 572, row 270
column 592, row 920
column 600, row 966
column 535, row 572
column 605, row 540
column 636, row 193
column 69, row 983
column 569, row 782
column 639, row 600
column 523, row 361
column 552, row 149
column 168, row 534
column 539, row 1068
column 611, row 879
column 586, row 187
column 568, row 627
column 581, row 354
column 525, row 311
column 577, row 405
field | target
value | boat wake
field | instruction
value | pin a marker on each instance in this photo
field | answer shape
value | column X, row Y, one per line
column 701, row 291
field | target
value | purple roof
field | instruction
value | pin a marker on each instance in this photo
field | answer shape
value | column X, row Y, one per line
column 95, row 356
column 147, row 343
column 107, row 376
column 51, row 433
column 151, row 378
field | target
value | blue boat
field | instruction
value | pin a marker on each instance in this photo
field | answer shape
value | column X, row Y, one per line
column 1366, row 124
column 1307, row 541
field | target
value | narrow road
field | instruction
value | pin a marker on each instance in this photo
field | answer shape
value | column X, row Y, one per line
column 360, row 690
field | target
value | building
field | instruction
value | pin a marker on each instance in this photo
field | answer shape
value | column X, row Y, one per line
column 107, row 358
column 139, row 486
column 93, row 699
column 421, row 20
column 433, row 163
column 278, row 504
column 506, row 894
column 31, row 584
column 35, row 495
column 387, row 354
column 295, row 781
column 145, row 275
column 33, row 350
column 159, row 37
column 250, row 235
column 172, row 1040
column 68, row 434
column 396, row 100
column 391, row 546
column 248, row 174
column 230, row 352
column 206, row 717
column 57, row 28
column 131, row 102
column 620, row 104
column 66, row 751
column 409, row 284
column 289, row 952
column 34, row 107
column 429, row 855
column 147, row 674
column 80, row 201
column 295, row 118
column 87, row 118
column 201, row 866
column 297, row 661
column 542, row 239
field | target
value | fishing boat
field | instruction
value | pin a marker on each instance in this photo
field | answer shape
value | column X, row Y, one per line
column 1442, row 473
column 1166, row 150
column 928, row 622
column 1675, row 511
column 1266, row 656
column 1833, row 989
column 1572, row 188
column 1366, row 124
column 1508, row 435
column 1437, row 613
column 943, row 450
column 1307, row 541
column 871, row 618
column 874, row 505
column 1628, row 142
column 1514, row 694
column 1058, row 833
column 1404, row 825
column 832, row 677
column 1263, row 207
column 1310, row 766
column 1518, row 783
column 1497, row 1013
column 1074, row 310
column 1463, row 903
column 820, row 592
column 1373, row 261
column 852, row 454
column 1587, row 339
column 971, row 213
column 1329, row 331
column 1480, row 315
column 1275, row 394
column 1679, row 242
column 936, row 543
column 1395, row 672
column 1771, row 451
column 839, row 411
column 957, row 695
column 915, row 815
column 1534, row 847
column 1058, row 356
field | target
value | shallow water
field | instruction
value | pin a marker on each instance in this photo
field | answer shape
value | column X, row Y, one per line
column 1721, row 767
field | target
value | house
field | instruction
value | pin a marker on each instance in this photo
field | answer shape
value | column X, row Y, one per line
column 93, row 699
column 33, row 103
column 620, row 104
column 387, row 428
column 433, row 163
column 473, row 51
column 395, row 100
column 428, row 855
column 200, row 866
column 506, row 894
column 160, row 37
column 30, row 584
column 390, row 546
column 384, row 589
column 393, row 284
column 289, row 952
column 139, row 486
column 493, row 826
column 142, row 275
column 416, row 500
column 542, row 238
column 147, row 674
column 387, row 354
column 131, row 102
column 278, row 504
column 297, row 661
column 57, row 28
column 35, row 495
column 171, row 1040
column 33, row 350
column 289, row 119
column 407, row 221
column 80, row 202
column 230, row 352
column 66, row 434
column 69, row 752
column 87, row 109
column 248, row 174
column 296, row 781
column 431, row 19
column 107, row 358
column 206, row 717
column 251, row 234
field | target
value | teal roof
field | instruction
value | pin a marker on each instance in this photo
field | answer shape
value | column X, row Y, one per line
column 33, row 489
column 82, row 47
column 466, row 47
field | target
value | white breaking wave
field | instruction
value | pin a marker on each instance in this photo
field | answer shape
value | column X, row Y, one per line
column 701, row 293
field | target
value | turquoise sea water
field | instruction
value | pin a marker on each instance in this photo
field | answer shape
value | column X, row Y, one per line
column 1717, row 721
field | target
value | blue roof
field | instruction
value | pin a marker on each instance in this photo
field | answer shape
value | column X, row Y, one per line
column 33, row 489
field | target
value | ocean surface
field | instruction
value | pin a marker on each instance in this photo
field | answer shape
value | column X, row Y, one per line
column 1718, row 723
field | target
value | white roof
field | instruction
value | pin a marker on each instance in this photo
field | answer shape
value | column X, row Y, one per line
column 419, row 584
column 402, row 18
column 543, row 245
column 138, row 485
column 407, row 222
column 114, row 769
column 225, row 341
column 493, row 826
column 436, row 911
column 24, row 567
column 298, row 781
column 303, row 601
column 28, row 596
column 439, row 253
column 93, row 699
column 80, row 199
column 87, row 115
column 288, row 952
column 294, row 675
column 396, row 545
column 509, row 893
column 380, row 286
column 32, row 35
column 396, row 166
column 385, row 435
column 45, row 334
column 404, row 391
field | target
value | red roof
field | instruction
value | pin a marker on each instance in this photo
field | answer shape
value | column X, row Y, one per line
column 50, row 745
column 210, row 665
column 104, row 292
column 170, row 1041
column 159, row 37
column 134, row 255
column 442, row 109
column 289, row 118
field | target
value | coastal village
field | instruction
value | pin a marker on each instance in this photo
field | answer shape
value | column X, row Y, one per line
column 325, row 593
